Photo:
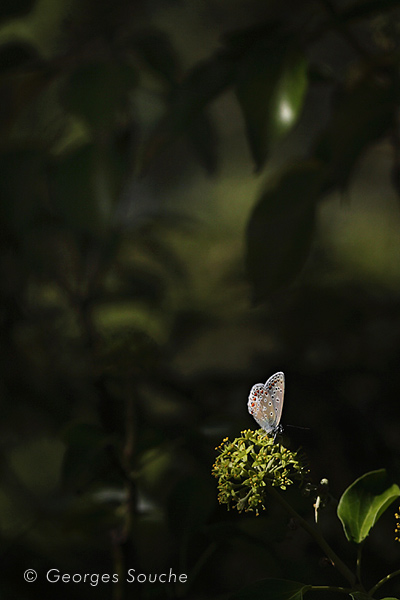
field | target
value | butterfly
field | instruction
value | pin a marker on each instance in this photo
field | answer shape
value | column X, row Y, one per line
column 266, row 402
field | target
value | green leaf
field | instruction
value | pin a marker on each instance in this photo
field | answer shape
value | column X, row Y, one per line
column 272, row 589
column 271, row 85
column 281, row 229
column 363, row 503
column 362, row 116
column 96, row 91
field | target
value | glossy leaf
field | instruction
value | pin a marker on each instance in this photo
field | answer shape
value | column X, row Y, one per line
column 362, row 116
column 364, row 502
column 272, row 589
column 96, row 91
column 271, row 85
column 281, row 229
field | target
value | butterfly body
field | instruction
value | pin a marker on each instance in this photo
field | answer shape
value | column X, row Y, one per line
column 265, row 403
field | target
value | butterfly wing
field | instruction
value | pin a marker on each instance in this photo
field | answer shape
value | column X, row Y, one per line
column 257, row 405
column 275, row 388
column 266, row 401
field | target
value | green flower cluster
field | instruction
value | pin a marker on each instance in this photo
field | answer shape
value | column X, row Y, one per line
column 247, row 465
column 397, row 527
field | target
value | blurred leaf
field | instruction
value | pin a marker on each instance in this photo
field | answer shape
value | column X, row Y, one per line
column 272, row 589
column 271, row 85
column 10, row 9
column 362, row 116
column 155, row 49
column 363, row 503
column 17, row 54
column 96, row 91
column 203, row 84
column 281, row 229
column 84, row 454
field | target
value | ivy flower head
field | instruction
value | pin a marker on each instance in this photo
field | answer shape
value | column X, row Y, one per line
column 247, row 465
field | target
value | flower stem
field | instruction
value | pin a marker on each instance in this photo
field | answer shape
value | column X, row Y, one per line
column 384, row 580
column 359, row 551
column 322, row 543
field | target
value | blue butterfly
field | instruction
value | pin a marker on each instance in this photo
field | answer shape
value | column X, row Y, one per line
column 266, row 402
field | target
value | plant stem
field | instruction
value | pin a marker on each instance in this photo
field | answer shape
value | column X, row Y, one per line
column 359, row 551
column 322, row 543
column 384, row 580
column 330, row 588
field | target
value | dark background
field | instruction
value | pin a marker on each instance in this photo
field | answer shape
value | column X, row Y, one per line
column 149, row 277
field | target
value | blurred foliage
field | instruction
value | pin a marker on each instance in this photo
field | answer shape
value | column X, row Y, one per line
column 129, row 137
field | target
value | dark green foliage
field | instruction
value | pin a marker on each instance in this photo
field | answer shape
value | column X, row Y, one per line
column 128, row 339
